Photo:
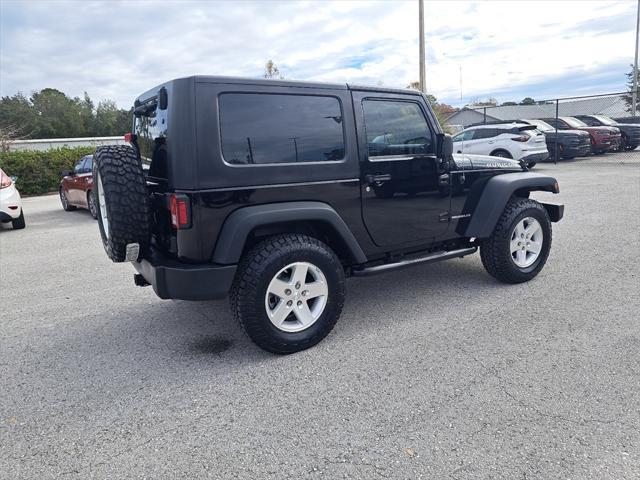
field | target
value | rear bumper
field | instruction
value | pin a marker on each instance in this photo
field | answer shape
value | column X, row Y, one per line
column 183, row 281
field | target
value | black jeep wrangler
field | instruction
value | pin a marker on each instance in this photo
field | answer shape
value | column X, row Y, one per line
column 276, row 191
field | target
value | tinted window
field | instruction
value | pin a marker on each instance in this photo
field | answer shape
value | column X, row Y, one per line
column 485, row 133
column 396, row 128
column 264, row 128
column 88, row 164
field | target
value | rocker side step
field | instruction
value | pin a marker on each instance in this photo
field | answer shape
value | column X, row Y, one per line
column 432, row 257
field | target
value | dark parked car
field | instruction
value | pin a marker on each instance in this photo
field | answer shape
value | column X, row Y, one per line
column 76, row 187
column 267, row 190
column 630, row 131
column 603, row 139
column 570, row 143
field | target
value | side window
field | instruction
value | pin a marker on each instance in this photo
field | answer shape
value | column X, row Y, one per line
column 395, row 127
column 88, row 164
column 485, row 133
column 464, row 136
column 79, row 166
column 271, row 128
column 592, row 122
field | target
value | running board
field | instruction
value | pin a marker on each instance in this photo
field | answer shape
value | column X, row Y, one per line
column 432, row 257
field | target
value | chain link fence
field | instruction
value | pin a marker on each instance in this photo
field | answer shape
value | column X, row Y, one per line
column 598, row 128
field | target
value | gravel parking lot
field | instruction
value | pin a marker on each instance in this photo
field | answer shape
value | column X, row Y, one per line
column 433, row 372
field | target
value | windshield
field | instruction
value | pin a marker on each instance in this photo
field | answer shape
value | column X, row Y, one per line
column 543, row 126
column 574, row 122
column 606, row 120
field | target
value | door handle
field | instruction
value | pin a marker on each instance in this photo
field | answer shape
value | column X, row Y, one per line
column 385, row 177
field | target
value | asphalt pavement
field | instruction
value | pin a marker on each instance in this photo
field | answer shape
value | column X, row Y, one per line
column 433, row 372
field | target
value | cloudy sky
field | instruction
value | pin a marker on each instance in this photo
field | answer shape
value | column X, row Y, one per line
column 505, row 50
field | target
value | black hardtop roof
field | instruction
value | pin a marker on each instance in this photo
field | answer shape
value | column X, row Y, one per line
column 278, row 83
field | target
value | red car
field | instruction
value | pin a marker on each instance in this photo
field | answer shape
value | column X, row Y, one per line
column 76, row 186
column 603, row 139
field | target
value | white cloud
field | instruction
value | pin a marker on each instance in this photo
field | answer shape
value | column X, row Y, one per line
column 120, row 49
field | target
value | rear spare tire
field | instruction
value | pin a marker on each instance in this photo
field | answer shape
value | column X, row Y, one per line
column 120, row 193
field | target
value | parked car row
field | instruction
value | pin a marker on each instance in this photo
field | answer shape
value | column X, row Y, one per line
column 534, row 140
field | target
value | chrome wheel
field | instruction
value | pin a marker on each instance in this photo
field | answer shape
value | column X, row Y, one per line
column 296, row 297
column 526, row 242
column 103, row 206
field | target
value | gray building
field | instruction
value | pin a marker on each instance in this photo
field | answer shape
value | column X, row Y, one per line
column 611, row 105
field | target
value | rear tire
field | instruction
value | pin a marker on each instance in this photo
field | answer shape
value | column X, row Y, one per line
column 501, row 253
column 19, row 223
column 122, row 201
column 501, row 154
column 91, row 203
column 531, row 165
column 280, row 323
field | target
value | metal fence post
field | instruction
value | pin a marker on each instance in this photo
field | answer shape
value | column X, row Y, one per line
column 555, row 157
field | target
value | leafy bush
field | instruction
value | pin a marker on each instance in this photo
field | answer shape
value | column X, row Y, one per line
column 39, row 172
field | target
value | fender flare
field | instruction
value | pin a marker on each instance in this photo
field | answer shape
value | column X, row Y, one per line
column 497, row 192
column 241, row 222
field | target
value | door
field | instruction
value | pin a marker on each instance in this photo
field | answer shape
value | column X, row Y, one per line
column 405, row 193
column 83, row 180
column 73, row 184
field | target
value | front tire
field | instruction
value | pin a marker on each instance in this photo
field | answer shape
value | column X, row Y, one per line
column 269, row 300
column 66, row 206
column 520, row 243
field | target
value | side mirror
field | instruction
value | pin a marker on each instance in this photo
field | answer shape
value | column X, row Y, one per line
column 445, row 145
column 67, row 173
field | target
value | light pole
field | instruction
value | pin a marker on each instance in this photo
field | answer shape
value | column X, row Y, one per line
column 634, row 94
column 423, row 86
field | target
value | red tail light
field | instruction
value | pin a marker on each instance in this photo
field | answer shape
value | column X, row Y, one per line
column 521, row 138
column 5, row 180
column 180, row 209
column 129, row 137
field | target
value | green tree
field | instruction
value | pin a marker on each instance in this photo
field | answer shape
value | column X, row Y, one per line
column 508, row 104
column 57, row 114
column 628, row 98
column 528, row 101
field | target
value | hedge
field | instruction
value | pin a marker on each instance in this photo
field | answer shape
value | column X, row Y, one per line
column 39, row 172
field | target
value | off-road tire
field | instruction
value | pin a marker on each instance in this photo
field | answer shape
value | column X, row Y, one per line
column 126, row 200
column 495, row 250
column 66, row 206
column 256, row 270
column 19, row 222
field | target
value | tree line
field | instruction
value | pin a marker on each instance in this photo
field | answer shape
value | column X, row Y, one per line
column 49, row 113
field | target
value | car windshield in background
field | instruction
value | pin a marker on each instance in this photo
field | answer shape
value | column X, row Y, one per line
column 542, row 126
column 606, row 120
column 574, row 122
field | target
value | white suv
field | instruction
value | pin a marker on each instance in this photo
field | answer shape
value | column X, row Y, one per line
column 10, row 202
column 506, row 140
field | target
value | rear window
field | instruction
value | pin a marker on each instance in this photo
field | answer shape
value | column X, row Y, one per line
column 150, row 129
column 260, row 129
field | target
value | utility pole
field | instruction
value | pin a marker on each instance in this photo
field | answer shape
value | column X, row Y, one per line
column 423, row 86
column 634, row 95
